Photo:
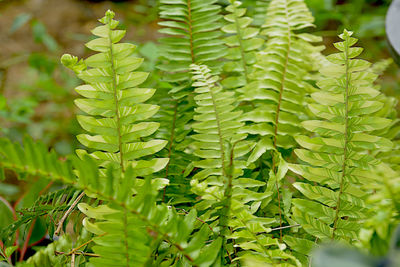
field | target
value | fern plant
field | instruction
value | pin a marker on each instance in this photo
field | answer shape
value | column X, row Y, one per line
column 230, row 201
column 277, row 92
column 336, row 159
column 280, row 76
column 211, row 179
column 114, row 104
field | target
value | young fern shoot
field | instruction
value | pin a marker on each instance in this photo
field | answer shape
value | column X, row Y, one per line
column 336, row 161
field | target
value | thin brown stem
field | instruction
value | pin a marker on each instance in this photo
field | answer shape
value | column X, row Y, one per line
column 66, row 214
column 76, row 253
column 73, row 260
column 82, row 245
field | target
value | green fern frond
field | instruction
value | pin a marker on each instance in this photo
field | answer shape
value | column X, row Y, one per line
column 193, row 26
column 33, row 159
column 278, row 90
column 280, row 76
column 193, row 35
column 133, row 226
column 221, row 147
column 217, row 131
column 336, row 158
column 116, row 116
column 260, row 11
column 51, row 206
column 243, row 44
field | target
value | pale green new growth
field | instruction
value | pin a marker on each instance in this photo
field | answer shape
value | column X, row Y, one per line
column 114, row 104
column 337, row 163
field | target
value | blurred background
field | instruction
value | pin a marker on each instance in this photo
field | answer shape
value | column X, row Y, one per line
column 37, row 92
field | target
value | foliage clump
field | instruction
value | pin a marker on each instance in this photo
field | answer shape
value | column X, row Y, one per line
column 259, row 159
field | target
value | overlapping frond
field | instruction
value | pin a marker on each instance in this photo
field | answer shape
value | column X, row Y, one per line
column 194, row 33
column 217, row 133
column 279, row 85
column 260, row 12
column 116, row 116
column 280, row 77
column 33, row 159
column 243, row 44
column 230, row 201
column 140, row 232
column 336, row 162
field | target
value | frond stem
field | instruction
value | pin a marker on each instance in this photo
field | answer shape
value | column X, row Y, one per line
column 190, row 30
column 65, row 216
column 126, row 237
column 117, row 115
column 278, row 109
column 171, row 140
column 344, row 165
column 241, row 45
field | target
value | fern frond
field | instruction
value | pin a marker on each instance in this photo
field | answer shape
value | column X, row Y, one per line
column 217, row 130
column 336, row 159
column 280, row 84
column 51, row 205
column 33, row 159
column 133, row 226
column 260, row 11
column 193, row 26
column 280, row 76
column 233, row 201
column 243, row 44
column 116, row 113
